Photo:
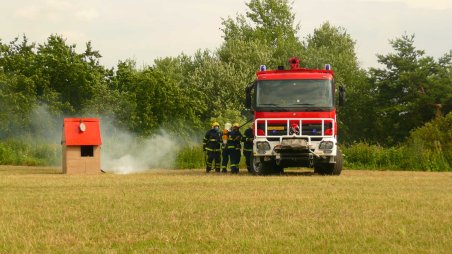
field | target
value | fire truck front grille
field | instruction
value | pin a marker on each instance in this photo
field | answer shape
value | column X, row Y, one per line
column 281, row 130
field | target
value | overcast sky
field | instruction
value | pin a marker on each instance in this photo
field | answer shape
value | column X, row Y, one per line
column 144, row 30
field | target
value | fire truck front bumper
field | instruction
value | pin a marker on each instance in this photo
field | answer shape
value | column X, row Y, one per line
column 292, row 148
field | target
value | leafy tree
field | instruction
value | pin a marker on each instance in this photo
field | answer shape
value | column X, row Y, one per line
column 52, row 74
column 184, row 105
column 17, row 100
column 265, row 35
column 440, row 82
column 158, row 96
column 18, row 57
column 17, row 85
column 68, row 80
column 218, row 85
column 408, row 90
column 333, row 45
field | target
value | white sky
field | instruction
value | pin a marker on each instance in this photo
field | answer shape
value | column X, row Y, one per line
column 148, row 29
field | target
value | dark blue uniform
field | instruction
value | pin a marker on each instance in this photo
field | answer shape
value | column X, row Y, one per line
column 211, row 144
column 248, row 146
column 235, row 147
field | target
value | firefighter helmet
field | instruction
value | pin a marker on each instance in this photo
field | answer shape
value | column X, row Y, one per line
column 236, row 125
column 215, row 124
column 227, row 126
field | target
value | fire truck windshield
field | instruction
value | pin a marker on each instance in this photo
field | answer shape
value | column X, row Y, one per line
column 302, row 93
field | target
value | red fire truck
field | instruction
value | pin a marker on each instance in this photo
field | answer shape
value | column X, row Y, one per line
column 295, row 121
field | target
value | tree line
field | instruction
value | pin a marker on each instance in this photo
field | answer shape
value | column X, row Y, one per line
column 384, row 104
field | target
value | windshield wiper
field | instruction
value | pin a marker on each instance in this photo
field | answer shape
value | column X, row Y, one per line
column 314, row 109
column 276, row 106
column 310, row 109
column 270, row 104
column 304, row 104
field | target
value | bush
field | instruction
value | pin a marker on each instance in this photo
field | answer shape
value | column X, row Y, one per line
column 428, row 148
column 363, row 155
column 18, row 152
column 190, row 157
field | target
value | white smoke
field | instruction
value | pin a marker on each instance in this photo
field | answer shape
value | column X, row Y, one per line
column 121, row 152
column 125, row 153
column 39, row 127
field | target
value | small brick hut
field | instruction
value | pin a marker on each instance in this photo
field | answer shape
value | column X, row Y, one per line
column 81, row 142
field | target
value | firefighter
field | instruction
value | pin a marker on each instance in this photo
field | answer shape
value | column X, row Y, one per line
column 248, row 146
column 234, row 147
column 211, row 144
column 224, row 148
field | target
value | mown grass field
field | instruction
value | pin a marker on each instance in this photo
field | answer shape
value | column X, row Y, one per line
column 187, row 211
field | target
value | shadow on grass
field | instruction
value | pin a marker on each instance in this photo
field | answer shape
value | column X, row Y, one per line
column 298, row 173
column 286, row 173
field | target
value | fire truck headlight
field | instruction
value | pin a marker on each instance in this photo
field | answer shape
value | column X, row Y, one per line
column 262, row 146
column 326, row 145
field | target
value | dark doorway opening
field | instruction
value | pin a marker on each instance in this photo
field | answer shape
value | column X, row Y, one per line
column 87, row 151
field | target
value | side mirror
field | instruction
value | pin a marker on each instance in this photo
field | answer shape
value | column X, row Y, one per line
column 341, row 96
column 248, row 99
column 248, row 91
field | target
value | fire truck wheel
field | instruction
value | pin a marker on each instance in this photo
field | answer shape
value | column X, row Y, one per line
column 259, row 166
column 278, row 169
column 330, row 168
column 338, row 166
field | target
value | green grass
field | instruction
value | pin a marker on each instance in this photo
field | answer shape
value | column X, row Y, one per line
column 187, row 211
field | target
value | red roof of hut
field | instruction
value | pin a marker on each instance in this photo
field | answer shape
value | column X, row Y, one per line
column 82, row 132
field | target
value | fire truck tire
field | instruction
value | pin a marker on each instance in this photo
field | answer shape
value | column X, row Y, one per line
column 339, row 161
column 278, row 169
column 259, row 166
column 330, row 168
